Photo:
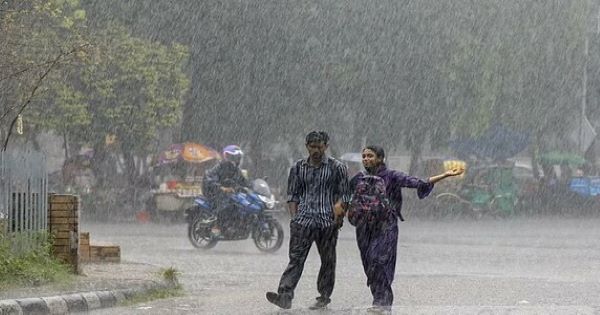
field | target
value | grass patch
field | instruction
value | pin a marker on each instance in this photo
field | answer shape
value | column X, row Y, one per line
column 169, row 275
column 33, row 266
column 154, row 294
column 174, row 289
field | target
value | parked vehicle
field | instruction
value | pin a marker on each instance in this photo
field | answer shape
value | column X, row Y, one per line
column 251, row 216
column 586, row 186
column 489, row 190
column 568, row 184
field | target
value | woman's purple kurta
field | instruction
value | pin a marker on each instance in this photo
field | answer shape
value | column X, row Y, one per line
column 378, row 242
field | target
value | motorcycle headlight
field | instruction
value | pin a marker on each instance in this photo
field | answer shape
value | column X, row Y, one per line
column 269, row 202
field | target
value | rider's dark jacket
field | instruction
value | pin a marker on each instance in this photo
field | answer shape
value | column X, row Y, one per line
column 224, row 174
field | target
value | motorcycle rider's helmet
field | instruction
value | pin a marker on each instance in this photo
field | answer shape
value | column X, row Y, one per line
column 233, row 153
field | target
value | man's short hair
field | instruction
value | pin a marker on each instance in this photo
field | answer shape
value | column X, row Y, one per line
column 317, row 136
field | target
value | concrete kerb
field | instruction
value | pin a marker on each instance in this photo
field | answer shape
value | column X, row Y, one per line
column 10, row 307
column 78, row 302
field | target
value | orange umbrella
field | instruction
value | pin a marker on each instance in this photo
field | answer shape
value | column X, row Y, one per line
column 189, row 152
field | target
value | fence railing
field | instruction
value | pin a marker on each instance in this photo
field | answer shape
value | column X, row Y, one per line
column 23, row 197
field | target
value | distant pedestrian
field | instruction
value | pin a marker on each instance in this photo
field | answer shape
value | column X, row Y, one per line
column 375, row 210
column 315, row 185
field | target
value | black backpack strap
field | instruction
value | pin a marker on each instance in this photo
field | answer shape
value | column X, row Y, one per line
column 392, row 207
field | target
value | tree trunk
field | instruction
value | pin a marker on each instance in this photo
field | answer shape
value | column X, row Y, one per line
column 98, row 164
column 415, row 157
column 415, row 144
column 535, row 150
column 130, row 167
column 66, row 145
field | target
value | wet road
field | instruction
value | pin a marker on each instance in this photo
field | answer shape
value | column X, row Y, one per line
column 520, row 266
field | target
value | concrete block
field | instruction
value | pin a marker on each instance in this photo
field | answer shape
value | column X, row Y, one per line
column 10, row 307
column 93, row 302
column 131, row 293
column 119, row 296
column 107, row 299
column 56, row 304
column 76, row 303
column 33, row 306
column 105, row 253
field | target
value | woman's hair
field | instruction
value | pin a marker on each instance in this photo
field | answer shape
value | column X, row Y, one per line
column 379, row 152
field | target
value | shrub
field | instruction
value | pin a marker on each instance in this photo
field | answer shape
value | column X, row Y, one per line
column 31, row 266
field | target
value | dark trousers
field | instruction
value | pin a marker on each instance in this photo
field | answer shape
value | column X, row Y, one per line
column 222, row 207
column 301, row 239
column 378, row 244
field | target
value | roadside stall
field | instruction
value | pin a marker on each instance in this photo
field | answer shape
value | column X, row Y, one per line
column 177, row 178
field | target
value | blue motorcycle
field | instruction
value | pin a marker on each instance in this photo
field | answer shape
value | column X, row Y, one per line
column 249, row 214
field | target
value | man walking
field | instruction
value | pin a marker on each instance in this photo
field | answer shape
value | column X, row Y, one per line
column 315, row 184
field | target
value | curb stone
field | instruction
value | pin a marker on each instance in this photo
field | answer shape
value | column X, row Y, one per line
column 56, row 304
column 119, row 296
column 33, row 306
column 107, row 299
column 73, row 303
column 10, row 307
column 92, row 300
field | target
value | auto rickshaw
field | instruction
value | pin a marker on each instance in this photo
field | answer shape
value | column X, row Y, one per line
column 486, row 190
column 177, row 179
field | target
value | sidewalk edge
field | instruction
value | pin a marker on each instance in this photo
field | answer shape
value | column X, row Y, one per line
column 77, row 302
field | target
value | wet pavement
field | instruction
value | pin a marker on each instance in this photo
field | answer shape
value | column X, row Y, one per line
column 515, row 266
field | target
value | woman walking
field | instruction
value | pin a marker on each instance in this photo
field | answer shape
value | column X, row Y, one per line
column 375, row 210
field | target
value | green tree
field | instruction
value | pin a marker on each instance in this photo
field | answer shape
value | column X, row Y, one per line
column 41, row 41
column 134, row 88
column 96, row 82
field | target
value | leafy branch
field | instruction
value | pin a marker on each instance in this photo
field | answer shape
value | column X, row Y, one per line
column 17, row 73
column 52, row 65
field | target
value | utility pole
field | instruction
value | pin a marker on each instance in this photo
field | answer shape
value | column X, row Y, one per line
column 584, row 92
column 583, row 117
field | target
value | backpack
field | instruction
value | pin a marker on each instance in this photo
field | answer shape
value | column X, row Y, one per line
column 369, row 203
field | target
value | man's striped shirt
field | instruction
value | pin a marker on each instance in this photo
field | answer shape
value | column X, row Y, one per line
column 316, row 190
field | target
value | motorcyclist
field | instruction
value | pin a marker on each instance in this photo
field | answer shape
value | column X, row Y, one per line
column 222, row 180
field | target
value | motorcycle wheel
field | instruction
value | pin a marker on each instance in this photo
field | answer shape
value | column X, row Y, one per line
column 269, row 241
column 199, row 232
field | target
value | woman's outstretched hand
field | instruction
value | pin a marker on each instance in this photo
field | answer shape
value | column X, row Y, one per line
column 455, row 172
column 448, row 173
